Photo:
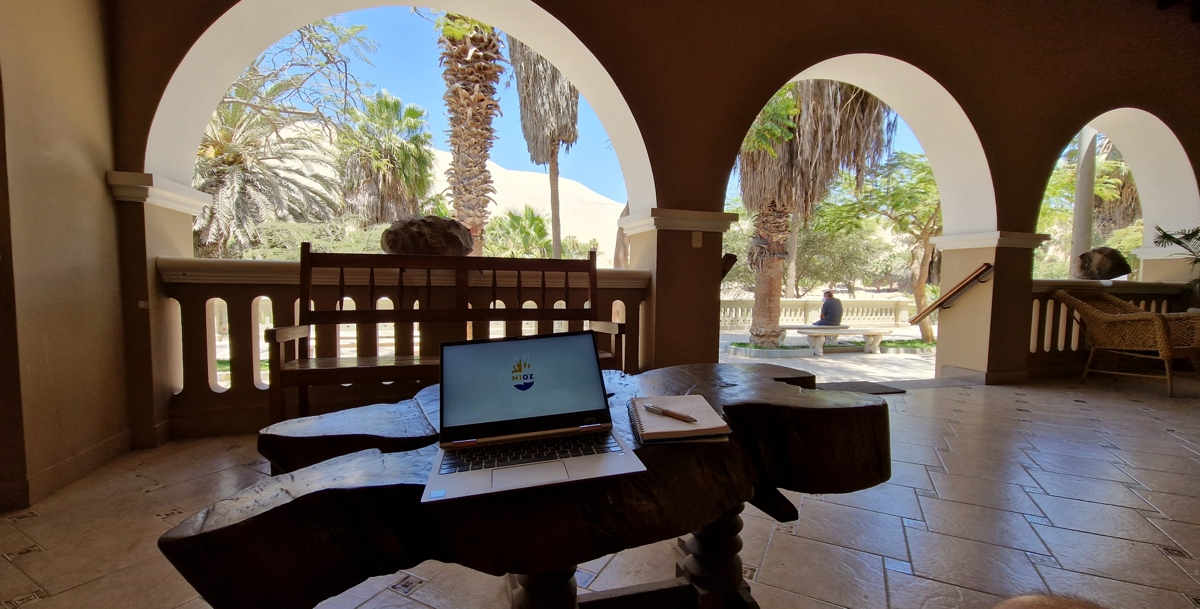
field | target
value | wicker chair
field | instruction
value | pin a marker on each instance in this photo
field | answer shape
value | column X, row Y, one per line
column 1122, row 327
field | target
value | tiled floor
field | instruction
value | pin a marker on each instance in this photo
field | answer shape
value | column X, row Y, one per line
column 1087, row 490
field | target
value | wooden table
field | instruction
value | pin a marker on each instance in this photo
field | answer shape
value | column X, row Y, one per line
column 301, row 537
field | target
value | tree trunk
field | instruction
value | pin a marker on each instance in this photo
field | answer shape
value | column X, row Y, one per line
column 555, row 221
column 768, row 287
column 793, row 242
column 922, row 277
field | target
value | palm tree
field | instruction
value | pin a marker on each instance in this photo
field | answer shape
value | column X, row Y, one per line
column 257, row 172
column 518, row 235
column 807, row 133
column 549, row 118
column 471, row 67
column 386, row 157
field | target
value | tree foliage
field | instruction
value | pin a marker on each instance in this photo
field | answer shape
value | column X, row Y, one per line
column 281, row 240
column 386, row 158
column 518, row 234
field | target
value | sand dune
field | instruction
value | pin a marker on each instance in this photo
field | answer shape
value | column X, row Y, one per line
column 585, row 213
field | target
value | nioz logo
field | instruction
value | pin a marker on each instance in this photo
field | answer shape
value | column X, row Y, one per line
column 521, row 376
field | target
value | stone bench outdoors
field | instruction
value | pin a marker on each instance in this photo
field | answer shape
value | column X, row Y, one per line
column 817, row 335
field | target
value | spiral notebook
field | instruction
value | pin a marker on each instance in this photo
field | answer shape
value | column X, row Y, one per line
column 652, row 428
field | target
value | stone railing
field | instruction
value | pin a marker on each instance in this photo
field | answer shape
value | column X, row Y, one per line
column 223, row 307
column 736, row 314
column 1056, row 340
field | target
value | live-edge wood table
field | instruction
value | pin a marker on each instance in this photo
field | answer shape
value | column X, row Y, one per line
column 336, row 519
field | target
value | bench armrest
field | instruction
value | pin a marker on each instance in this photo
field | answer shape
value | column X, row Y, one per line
column 286, row 333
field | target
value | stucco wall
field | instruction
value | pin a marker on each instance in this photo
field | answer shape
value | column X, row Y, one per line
column 64, row 240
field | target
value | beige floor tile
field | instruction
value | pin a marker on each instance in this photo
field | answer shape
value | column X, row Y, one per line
column 1185, row 534
column 649, row 563
column 1078, row 466
column 151, row 584
column 196, row 493
column 1088, row 489
column 833, row 574
column 193, row 463
column 363, row 592
column 987, row 469
column 1110, row 592
column 1163, row 463
column 849, row 527
column 1099, row 518
column 907, row 591
column 770, row 597
column 756, row 533
column 886, row 498
column 11, row 539
column 993, row 449
column 73, row 525
column 915, row 453
column 910, row 475
column 947, row 412
column 923, row 423
column 1163, row 446
column 597, row 564
column 100, row 486
column 1089, row 450
column 1120, row 559
column 923, row 437
column 82, row 559
column 984, row 524
column 14, row 583
column 1063, row 432
column 195, row 603
column 1166, row 482
column 1176, row 507
column 458, row 587
column 987, row 493
column 972, row 564
column 391, row 600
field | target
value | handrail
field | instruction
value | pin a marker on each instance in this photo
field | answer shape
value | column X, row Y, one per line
column 944, row 300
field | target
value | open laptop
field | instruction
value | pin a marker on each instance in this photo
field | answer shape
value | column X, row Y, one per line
column 524, row 411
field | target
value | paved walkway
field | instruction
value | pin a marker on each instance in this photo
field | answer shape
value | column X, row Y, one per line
column 841, row 367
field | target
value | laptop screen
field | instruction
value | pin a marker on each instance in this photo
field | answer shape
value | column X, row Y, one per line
column 519, row 385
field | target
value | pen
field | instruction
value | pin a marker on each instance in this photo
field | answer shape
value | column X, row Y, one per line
column 669, row 413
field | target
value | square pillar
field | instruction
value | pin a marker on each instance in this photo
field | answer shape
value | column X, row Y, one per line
column 155, row 219
column 984, row 334
column 681, row 316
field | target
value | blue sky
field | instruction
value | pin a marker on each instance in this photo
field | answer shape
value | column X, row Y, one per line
column 406, row 64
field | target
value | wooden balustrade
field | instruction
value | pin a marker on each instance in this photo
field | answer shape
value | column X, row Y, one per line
column 736, row 314
column 202, row 406
column 1056, row 340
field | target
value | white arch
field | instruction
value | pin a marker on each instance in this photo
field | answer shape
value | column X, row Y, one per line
column 955, row 153
column 251, row 26
column 1166, row 180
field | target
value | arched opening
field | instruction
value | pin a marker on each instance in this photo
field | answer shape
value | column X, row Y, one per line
column 237, row 38
column 945, row 167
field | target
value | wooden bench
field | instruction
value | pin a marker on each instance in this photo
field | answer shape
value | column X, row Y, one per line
column 446, row 297
column 817, row 337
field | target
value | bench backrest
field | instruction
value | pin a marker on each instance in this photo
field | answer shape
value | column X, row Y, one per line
column 445, row 291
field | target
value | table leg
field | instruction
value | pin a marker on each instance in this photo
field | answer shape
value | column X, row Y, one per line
column 550, row 590
column 713, row 565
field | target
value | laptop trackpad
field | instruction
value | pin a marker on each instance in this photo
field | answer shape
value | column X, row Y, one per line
column 529, row 475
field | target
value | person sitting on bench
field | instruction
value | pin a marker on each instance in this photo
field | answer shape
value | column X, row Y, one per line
column 831, row 311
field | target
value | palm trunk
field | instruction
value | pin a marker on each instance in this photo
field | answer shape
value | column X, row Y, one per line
column 555, row 221
column 793, row 243
column 768, row 284
column 922, row 276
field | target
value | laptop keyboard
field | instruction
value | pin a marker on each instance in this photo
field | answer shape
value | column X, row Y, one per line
column 528, row 451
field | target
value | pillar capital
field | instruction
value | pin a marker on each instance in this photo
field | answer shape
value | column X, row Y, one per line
column 990, row 239
column 138, row 187
column 677, row 219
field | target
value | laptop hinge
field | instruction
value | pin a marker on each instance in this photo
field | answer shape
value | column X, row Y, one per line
column 462, row 443
column 593, row 427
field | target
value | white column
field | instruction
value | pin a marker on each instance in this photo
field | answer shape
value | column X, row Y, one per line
column 1085, row 193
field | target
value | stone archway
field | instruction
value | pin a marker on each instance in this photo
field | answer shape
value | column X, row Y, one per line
column 241, row 34
column 955, row 153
